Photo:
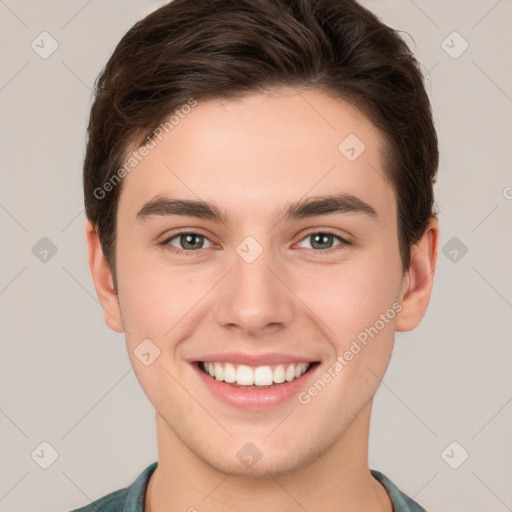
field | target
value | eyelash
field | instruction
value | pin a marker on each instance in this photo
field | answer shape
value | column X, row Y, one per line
column 191, row 252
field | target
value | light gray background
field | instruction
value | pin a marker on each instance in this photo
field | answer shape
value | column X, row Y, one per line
column 66, row 378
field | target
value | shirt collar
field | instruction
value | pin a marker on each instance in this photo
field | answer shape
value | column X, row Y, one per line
column 135, row 497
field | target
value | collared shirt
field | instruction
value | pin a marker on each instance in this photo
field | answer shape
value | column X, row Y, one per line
column 131, row 498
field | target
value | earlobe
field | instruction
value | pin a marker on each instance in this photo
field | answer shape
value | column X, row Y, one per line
column 102, row 278
column 419, row 279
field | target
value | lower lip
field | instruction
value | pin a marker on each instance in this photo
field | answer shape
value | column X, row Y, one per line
column 255, row 399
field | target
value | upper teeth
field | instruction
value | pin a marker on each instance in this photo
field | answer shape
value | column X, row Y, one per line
column 259, row 376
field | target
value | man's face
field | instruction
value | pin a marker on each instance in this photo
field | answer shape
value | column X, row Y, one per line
column 259, row 284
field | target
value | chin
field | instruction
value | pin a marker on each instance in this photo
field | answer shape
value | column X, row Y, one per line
column 261, row 469
column 249, row 461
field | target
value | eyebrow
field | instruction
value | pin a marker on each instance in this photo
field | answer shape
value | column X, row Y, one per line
column 302, row 209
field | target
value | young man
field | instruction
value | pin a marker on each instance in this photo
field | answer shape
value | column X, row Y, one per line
column 259, row 192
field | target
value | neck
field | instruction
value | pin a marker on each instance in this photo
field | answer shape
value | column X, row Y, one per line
column 338, row 479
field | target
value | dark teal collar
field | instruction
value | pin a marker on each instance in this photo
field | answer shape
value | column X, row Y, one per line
column 131, row 498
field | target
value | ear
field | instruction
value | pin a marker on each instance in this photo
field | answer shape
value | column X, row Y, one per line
column 418, row 280
column 103, row 282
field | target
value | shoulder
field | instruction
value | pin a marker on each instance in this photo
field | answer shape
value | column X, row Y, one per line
column 401, row 502
column 128, row 499
column 113, row 502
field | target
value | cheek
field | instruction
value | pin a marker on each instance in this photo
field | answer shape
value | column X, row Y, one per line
column 350, row 298
column 359, row 308
column 154, row 297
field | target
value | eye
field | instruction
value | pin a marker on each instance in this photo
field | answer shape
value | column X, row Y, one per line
column 323, row 240
column 188, row 241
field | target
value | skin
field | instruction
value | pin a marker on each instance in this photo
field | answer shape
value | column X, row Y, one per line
column 251, row 157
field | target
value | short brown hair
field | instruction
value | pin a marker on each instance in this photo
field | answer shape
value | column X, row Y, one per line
column 224, row 49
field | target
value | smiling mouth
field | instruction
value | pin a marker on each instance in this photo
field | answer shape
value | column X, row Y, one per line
column 260, row 377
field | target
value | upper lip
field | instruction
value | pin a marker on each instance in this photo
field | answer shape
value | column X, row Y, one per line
column 237, row 358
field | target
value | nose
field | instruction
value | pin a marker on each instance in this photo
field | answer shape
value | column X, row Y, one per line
column 253, row 298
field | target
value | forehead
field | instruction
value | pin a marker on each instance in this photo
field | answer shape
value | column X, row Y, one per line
column 263, row 150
